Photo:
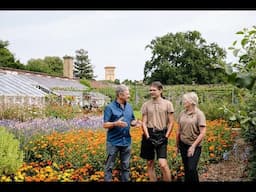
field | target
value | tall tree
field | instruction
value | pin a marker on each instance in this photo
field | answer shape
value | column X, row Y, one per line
column 184, row 58
column 82, row 65
column 7, row 59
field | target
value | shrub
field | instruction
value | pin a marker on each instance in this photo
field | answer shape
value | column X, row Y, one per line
column 11, row 157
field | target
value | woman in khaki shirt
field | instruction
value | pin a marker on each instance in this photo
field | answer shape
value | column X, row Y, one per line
column 190, row 133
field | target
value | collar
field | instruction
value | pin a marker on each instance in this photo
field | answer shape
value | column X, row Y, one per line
column 119, row 105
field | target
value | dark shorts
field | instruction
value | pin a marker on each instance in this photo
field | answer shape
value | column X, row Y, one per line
column 148, row 150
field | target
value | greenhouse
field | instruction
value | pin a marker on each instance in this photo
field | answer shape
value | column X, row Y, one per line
column 31, row 88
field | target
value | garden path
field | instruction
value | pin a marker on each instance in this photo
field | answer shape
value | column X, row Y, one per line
column 232, row 169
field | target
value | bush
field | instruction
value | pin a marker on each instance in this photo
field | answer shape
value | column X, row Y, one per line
column 21, row 113
column 11, row 157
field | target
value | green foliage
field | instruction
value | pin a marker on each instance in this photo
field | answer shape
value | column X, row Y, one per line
column 60, row 108
column 184, row 58
column 49, row 65
column 137, row 114
column 211, row 97
column 108, row 91
column 7, row 59
column 11, row 157
column 243, row 75
column 64, row 111
column 212, row 110
column 37, row 65
column 117, row 81
column 86, row 83
column 82, row 65
column 21, row 113
column 55, row 65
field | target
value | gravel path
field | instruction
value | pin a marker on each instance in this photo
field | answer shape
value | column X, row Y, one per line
column 232, row 169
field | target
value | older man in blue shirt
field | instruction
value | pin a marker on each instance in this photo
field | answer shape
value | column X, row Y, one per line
column 118, row 117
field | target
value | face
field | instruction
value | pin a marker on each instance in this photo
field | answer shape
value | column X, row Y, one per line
column 124, row 96
column 154, row 92
column 186, row 103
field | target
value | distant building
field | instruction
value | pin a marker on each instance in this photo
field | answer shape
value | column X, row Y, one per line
column 110, row 73
column 68, row 68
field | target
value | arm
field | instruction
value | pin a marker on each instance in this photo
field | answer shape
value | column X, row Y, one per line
column 177, row 138
column 144, row 125
column 135, row 122
column 170, row 124
column 110, row 125
column 200, row 137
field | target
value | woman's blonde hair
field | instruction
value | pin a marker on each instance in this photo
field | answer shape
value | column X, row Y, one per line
column 191, row 97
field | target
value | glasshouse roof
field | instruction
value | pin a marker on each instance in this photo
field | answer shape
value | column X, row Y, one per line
column 11, row 84
column 30, row 84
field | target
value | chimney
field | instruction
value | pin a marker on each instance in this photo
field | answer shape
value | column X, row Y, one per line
column 68, row 67
column 110, row 73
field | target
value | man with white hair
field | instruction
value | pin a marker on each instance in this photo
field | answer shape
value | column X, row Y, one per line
column 118, row 117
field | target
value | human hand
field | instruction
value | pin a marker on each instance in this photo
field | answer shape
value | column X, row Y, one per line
column 136, row 123
column 191, row 151
column 177, row 150
column 156, row 142
column 121, row 123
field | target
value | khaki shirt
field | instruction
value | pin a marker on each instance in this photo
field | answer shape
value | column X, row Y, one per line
column 157, row 113
column 189, row 125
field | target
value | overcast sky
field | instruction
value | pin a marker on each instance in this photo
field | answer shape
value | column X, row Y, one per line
column 113, row 38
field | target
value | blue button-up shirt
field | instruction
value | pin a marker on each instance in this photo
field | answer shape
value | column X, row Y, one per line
column 119, row 136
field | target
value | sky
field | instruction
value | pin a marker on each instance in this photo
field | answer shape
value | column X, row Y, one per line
column 114, row 37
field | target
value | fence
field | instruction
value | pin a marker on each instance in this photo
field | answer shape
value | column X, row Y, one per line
column 206, row 93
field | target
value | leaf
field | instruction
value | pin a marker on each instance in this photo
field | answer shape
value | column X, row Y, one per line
column 228, row 69
column 244, row 41
column 245, row 80
column 251, row 64
column 234, row 43
column 232, row 78
column 232, row 118
column 240, row 33
column 253, row 120
column 252, row 32
column 245, row 120
column 235, row 52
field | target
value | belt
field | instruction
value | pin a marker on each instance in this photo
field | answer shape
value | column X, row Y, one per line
column 154, row 129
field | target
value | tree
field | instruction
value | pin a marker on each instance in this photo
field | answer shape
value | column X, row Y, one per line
column 7, row 59
column 37, row 65
column 243, row 75
column 50, row 64
column 55, row 65
column 82, row 65
column 184, row 58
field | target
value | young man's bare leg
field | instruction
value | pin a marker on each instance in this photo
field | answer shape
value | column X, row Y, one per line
column 151, row 170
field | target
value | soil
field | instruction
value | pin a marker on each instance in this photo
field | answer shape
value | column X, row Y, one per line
column 232, row 169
